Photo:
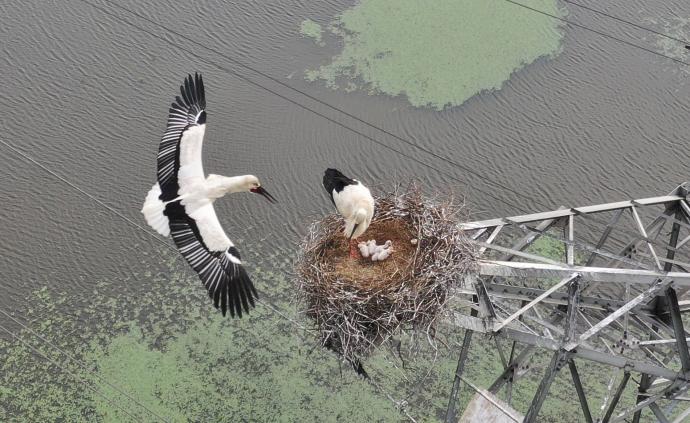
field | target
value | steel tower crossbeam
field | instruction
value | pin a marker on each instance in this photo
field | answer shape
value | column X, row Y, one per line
column 593, row 283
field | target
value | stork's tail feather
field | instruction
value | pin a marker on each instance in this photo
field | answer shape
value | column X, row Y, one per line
column 153, row 211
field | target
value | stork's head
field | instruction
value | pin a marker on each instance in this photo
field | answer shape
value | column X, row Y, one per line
column 252, row 184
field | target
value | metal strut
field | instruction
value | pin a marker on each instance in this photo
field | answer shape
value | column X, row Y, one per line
column 630, row 295
column 560, row 357
column 464, row 350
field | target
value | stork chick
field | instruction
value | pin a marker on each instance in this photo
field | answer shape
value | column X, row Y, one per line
column 382, row 252
column 363, row 249
column 382, row 255
column 372, row 247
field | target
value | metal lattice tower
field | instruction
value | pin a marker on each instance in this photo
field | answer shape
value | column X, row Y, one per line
column 615, row 297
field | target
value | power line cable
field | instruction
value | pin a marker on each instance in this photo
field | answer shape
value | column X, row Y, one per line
column 241, row 64
column 81, row 364
column 608, row 15
column 116, row 212
column 80, row 379
column 248, row 80
column 344, row 112
column 603, row 34
column 309, row 96
column 266, row 303
column 366, row 136
column 92, row 197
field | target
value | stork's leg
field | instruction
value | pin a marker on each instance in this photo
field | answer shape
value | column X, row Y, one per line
column 353, row 249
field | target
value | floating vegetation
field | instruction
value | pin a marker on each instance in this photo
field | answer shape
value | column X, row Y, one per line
column 679, row 28
column 176, row 356
column 438, row 53
column 311, row 29
column 357, row 304
column 161, row 343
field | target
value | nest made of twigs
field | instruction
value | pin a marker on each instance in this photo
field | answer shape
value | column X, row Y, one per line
column 356, row 304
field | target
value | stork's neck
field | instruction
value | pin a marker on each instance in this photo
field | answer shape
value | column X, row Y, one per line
column 217, row 185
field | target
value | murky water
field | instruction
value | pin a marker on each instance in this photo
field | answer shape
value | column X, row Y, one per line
column 85, row 92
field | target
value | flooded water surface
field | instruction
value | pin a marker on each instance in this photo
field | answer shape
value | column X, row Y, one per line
column 514, row 110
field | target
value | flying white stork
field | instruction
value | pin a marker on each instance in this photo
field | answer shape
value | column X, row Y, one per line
column 180, row 204
column 353, row 201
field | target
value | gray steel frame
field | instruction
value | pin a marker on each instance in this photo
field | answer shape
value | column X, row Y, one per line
column 620, row 308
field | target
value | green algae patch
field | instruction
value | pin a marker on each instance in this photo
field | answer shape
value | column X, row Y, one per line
column 438, row 53
column 679, row 28
column 167, row 348
column 178, row 357
column 210, row 373
column 311, row 29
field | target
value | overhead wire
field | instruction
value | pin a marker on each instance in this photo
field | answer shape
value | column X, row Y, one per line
column 307, row 95
column 389, row 133
column 625, row 21
column 82, row 365
column 111, row 209
column 596, row 31
column 310, row 97
column 266, row 303
column 80, row 379
column 340, row 110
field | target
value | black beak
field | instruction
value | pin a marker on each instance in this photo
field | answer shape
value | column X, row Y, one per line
column 353, row 230
column 262, row 191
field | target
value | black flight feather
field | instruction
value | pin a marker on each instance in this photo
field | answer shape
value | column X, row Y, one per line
column 186, row 111
column 228, row 283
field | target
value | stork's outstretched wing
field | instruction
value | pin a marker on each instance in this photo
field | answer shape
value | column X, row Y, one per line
column 193, row 223
column 180, row 147
column 216, row 261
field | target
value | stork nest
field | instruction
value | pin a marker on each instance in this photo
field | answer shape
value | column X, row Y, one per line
column 357, row 304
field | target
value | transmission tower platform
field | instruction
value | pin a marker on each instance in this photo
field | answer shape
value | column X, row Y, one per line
column 603, row 284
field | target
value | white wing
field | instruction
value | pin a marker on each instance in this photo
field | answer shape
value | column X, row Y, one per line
column 194, row 225
column 211, row 231
column 190, row 175
column 181, row 143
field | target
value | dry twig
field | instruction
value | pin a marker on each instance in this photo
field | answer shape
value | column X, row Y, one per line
column 357, row 304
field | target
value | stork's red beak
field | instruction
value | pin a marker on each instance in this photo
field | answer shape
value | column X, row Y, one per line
column 262, row 191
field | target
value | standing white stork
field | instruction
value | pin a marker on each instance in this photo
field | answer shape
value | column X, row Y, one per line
column 181, row 203
column 353, row 201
